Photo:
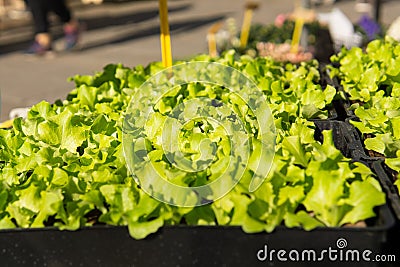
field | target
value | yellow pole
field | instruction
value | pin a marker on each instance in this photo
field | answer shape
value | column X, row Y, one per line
column 244, row 35
column 298, row 28
column 6, row 124
column 248, row 14
column 165, row 37
column 212, row 43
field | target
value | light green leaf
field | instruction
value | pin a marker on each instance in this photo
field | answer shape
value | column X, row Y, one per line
column 375, row 144
column 6, row 223
column 60, row 177
column 293, row 146
column 26, row 164
column 50, row 203
column 393, row 163
column 302, row 219
column 396, row 127
column 362, row 203
column 48, row 133
column 140, row 230
column 329, row 93
column 295, row 174
column 293, row 194
column 250, row 225
column 72, row 135
column 313, row 97
column 87, row 96
column 326, row 191
column 362, row 127
column 362, row 169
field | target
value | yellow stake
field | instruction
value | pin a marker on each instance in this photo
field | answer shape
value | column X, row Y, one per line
column 248, row 14
column 165, row 38
column 298, row 28
column 300, row 15
column 6, row 124
column 212, row 43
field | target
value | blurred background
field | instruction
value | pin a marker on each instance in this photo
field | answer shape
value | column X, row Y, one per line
column 127, row 32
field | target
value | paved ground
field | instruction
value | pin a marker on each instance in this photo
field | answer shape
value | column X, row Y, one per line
column 125, row 32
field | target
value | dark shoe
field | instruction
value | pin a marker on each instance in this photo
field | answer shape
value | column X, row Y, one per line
column 72, row 35
column 38, row 49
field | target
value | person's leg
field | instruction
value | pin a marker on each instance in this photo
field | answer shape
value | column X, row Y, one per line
column 60, row 8
column 39, row 11
column 71, row 26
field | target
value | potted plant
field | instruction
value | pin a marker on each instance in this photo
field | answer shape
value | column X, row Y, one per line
column 63, row 168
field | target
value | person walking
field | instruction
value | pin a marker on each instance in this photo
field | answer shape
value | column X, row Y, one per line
column 40, row 10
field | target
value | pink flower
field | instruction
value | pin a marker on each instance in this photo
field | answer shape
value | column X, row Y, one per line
column 280, row 19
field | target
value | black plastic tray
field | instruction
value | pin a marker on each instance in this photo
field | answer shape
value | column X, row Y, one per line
column 363, row 155
column 187, row 246
column 348, row 140
column 345, row 104
column 199, row 245
column 342, row 106
column 345, row 137
column 334, row 108
column 384, row 174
